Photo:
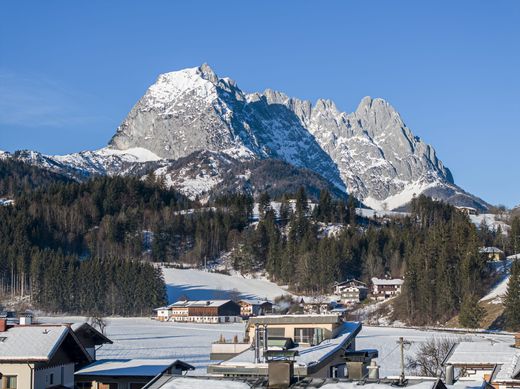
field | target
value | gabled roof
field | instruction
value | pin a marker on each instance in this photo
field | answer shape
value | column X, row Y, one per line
column 480, row 353
column 254, row 302
column 132, row 367
column 199, row 303
column 37, row 343
column 87, row 331
column 351, row 281
column 385, row 281
column 490, row 250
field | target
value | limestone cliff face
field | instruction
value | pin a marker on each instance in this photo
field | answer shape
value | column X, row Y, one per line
column 369, row 153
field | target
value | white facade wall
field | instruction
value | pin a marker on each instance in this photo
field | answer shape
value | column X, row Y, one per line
column 207, row 319
column 62, row 375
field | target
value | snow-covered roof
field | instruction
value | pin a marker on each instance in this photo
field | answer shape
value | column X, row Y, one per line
column 176, row 382
column 198, row 303
column 481, row 353
column 490, row 250
column 295, row 319
column 31, row 343
column 387, row 281
column 514, row 256
column 307, row 356
column 84, row 329
column 127, row 367
column 254, row 302
column 349, row 282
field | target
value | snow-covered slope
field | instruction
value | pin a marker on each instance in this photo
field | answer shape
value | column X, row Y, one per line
column 204, row 285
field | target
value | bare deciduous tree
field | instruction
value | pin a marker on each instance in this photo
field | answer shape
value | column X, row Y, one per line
column 98, row 322
column 429, row 356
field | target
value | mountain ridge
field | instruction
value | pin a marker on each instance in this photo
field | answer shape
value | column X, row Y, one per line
column 369, row 153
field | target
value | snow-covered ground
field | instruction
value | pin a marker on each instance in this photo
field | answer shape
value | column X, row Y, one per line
column 205, row 285
column 491, row 220
column 497, row 293
column 145, row 338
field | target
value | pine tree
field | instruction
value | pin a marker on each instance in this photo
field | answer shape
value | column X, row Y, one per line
column 512, row 299
column 470, row 312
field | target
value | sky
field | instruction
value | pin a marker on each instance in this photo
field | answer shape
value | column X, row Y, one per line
column 71, row 71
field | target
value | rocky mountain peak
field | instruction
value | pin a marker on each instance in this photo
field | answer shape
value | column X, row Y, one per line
column 370, row 152
column 207, row 73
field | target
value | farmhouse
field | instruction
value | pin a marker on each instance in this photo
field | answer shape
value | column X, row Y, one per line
column 254, row 307
column 467, row 210
column 311, row 306
column 204, row 311
column 496, row 363
column 351, row 291
column 39, row 356
column 383, row 288
column 492, row 253
column 89, row 337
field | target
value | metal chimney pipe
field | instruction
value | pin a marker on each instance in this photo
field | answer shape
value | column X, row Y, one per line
column 257, row 343
column 265, row 341
column 450, row 376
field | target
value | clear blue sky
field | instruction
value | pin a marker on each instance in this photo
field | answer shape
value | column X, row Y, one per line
column 71, row 71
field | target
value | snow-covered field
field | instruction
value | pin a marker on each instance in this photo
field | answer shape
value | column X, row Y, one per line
column 145, row 338
column 497, row 293
column 204, row 285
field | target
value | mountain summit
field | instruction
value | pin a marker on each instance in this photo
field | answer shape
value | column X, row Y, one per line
column 370, row 153
column 192, row 118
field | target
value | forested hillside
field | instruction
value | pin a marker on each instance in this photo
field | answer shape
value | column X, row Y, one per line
column 17, row 177
column 89, row 247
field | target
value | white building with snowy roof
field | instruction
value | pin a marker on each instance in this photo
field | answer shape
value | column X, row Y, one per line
column 39, row 356
column 496, row 363
column 383, row 288
column 200, row 311
column 331, row 355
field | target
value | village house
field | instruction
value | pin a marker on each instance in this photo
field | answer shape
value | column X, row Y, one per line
column 89, row 337
column 313, row 306
column 383, row 288
column 254, row 307
column 351, row 291
column 127, row 373
column 204, row 311
column 39, row 356
column 467, row 210
column 298, row 345
column 492, row 253
column 496, row 363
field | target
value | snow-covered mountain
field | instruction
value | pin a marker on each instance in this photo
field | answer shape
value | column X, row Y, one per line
column 369, row 153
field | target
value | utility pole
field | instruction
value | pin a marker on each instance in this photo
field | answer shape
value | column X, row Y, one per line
column 402, row 343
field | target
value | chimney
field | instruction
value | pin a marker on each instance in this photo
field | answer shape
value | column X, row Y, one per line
column 450, row 375
column 26, row 320
column 3, row 324
column 517, row 340
column 265, row 335
column 373, row 371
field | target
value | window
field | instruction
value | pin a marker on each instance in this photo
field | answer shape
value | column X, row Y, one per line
column 308, row 335
column 107, row 386
column 9, row 382
column 51, row 379
column 272, row 333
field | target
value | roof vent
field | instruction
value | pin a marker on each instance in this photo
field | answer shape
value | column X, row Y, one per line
column 3, row 338
column 208, row 302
